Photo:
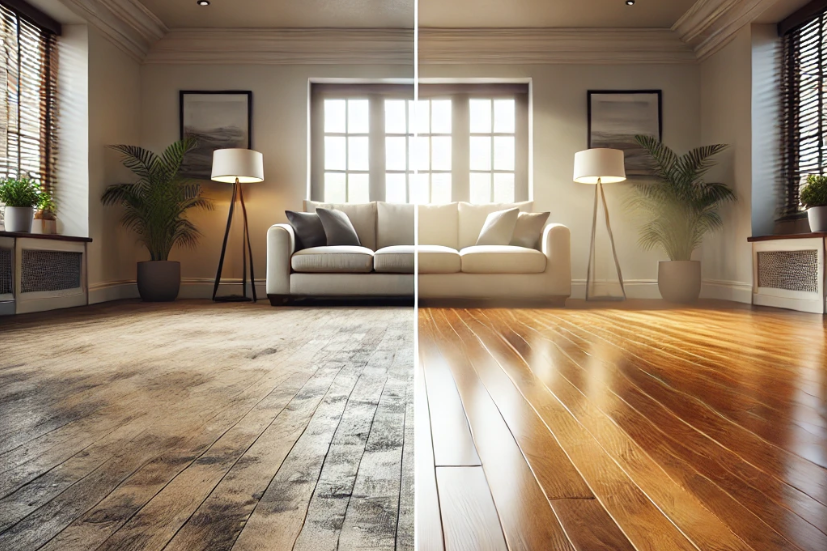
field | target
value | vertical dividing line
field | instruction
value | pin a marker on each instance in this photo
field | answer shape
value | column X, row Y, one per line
column 416, row 255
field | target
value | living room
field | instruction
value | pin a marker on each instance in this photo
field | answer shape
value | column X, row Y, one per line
column 412, row 275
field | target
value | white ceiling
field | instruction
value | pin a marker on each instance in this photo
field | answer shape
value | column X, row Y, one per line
column 285, row 13
column 432, row 13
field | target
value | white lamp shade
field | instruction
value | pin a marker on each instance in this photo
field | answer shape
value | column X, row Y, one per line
column 245, row 165
column 606, row 165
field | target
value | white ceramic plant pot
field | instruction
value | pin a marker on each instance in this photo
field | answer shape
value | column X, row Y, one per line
column 19, row 219
column 818, row 219
column 680, row 280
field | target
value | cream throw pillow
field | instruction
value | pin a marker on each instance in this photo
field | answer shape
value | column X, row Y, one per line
column 499, row 227
column 528, row 229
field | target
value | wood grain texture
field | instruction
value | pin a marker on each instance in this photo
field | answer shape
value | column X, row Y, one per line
column 697, row 428
column 471, row 521
column 146, row 426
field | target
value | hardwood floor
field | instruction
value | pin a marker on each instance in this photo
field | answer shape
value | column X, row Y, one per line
column 621, row 429
column 195, row 425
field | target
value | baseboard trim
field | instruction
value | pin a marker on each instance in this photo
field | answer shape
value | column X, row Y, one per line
column 191, row 288
column 635, row 288
column 736, row 291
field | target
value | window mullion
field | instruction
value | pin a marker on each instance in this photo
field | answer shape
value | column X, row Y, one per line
column 376, row 148
column 460, row 145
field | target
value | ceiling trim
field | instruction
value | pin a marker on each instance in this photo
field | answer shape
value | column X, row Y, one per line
column 552, row 46
column 436, row 46
column 127, row 23
column 709, row 25
column 284, row 47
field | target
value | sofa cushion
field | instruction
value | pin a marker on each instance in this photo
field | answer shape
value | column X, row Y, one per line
column 498, row 227
column 361, row 215
column 435, row 259
column 336, row 259
column 472, row 218
column 398, row 259
column 502, row 259
column 308, row 228
column 338, row 228
column 394, row 224
column 438, row 225
column 529, row 229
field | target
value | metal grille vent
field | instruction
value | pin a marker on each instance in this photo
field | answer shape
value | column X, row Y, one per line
column 50, row 271
column 789, row 270
column 6, row 272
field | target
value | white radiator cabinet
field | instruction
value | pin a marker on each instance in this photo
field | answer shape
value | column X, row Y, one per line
column 788, row 272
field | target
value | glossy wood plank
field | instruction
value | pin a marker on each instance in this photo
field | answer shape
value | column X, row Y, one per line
column 428, row 525
column 526, row 516
column 471, row 522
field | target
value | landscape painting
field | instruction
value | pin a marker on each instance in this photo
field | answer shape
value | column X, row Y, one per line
column 219, row 120
column 615, row 118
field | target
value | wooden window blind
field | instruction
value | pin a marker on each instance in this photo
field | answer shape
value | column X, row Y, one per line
column 28, row 98
column 804, row 149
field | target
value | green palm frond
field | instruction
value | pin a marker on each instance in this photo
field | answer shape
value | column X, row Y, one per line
column 679, row 207
column 155, row 206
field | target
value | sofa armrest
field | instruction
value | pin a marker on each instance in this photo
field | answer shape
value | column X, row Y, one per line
column 281, row 244
column 556, row 245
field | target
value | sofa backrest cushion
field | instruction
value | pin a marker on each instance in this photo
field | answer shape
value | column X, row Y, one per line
column 439, row 225
column 394, row 224
column 472, row 218
column 361, row 215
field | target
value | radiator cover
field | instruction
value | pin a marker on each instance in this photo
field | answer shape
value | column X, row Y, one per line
column 789, row 270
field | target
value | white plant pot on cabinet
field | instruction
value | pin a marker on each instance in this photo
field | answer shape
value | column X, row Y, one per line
column 18, row 219
column 818, row 219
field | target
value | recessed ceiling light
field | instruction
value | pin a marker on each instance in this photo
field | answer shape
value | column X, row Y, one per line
column 628, row 2
column 207, row 2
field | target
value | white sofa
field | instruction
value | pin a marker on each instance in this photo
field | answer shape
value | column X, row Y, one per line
column 450, row 265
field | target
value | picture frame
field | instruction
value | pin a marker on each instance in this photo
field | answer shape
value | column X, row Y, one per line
column 220, row 119
column 617, row 116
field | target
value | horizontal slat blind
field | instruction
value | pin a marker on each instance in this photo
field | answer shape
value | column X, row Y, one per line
column 804, row 105
column 28, row 100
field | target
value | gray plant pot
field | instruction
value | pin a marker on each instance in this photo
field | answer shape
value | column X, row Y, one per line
column 680, row 280
column 19, row 219
column 818, row 219
column 159, row 280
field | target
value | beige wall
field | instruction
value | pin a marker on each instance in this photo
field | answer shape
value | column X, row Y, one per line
column 726, row 117
column 114, row 115
column 279, row 132
column 560, row 130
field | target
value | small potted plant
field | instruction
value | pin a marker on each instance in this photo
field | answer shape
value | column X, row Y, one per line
column 814, row 197
column 20, row 197
column 155, row 208
column 679, row 208
column 47, row 214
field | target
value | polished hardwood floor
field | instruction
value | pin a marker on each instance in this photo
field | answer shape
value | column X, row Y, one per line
column 195, row 425
column 633, row 428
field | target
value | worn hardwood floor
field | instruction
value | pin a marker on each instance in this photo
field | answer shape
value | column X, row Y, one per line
column 202, row 426
column 633, row 429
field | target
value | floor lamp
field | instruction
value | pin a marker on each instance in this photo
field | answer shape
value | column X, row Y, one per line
column 598, row 167
column 237, row 166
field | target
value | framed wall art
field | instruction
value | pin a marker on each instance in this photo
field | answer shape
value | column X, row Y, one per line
column 219, row 120
column 616, row 117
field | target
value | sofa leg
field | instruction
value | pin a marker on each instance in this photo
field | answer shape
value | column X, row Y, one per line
column 278, row 300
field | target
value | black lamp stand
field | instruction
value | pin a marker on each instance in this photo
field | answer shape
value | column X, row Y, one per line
column 246, row 249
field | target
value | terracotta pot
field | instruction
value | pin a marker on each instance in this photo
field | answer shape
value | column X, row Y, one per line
column 680, row 280
column 159, row 280
column 19, row 219
column 818, row 219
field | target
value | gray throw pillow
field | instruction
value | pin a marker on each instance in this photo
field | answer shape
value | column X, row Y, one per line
column 308, row 229
column 529, row 228
column 338, row 228
column 498, row 227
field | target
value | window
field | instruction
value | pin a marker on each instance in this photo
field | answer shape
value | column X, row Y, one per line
column 804, row 103
column 28, row 67
column 456, row 143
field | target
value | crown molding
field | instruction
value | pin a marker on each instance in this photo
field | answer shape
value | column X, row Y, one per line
column 709, row 25
column 551, row 46
column 127, row 23
column 284, row 47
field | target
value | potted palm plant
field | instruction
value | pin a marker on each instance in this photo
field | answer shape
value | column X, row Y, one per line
column 20, row 196
column 814, row 197
column 679, row 209
column 155, row 208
